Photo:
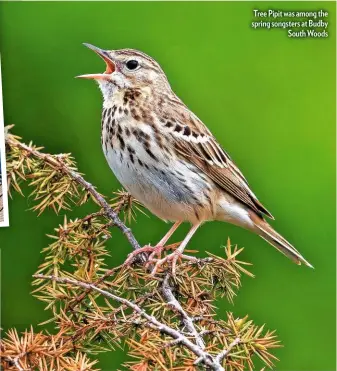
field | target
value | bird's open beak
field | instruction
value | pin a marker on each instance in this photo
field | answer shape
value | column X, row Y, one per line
column 110, row 65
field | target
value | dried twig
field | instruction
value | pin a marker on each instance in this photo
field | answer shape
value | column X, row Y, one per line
column 168, row 321
column 154, row 323
column 219, row 358
column 186, row 319
column 58, row 163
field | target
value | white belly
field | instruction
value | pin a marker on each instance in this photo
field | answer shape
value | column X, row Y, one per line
column 170, row 189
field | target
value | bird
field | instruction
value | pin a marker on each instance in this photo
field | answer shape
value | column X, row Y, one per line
column 168, row 159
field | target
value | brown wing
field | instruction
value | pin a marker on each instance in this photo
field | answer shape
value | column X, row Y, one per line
column 194, row 142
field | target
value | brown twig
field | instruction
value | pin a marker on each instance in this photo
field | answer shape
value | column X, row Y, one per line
column 219, row 358
column 186, row 320
column 16, row 362
column 149, row 319
column 203, row 356
column 78, row 299
column 57, row 162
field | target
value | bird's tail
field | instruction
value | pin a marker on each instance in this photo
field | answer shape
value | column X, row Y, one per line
column 264, row 230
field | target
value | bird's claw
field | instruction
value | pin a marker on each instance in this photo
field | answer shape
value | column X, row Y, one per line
column 173, row 257
column 155, row 251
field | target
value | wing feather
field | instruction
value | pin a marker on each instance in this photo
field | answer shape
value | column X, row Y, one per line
column 201, row 148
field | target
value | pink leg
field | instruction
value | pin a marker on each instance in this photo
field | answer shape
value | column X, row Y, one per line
column 177, row 253
column 174, row 227
column 155, row 250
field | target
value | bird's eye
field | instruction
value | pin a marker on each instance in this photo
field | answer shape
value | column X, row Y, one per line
column 132, row 64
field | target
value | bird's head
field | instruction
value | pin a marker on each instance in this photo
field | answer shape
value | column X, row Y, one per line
column 127, row 68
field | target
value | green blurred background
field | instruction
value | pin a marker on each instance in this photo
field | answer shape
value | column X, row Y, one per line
column 270, row 101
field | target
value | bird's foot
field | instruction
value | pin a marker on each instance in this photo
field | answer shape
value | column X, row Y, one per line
column 152, row 257
column 173, row 258
column 153, row 250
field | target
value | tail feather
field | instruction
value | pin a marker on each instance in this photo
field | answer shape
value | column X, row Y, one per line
column 265, row 231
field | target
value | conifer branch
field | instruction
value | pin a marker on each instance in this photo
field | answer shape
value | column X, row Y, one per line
column 186, row 320
column 57, row 163
column 167, row 322
column 152, row 321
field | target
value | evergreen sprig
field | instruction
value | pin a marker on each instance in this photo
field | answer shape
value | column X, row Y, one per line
column 165, row 322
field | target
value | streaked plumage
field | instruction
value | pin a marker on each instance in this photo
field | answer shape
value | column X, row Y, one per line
column 165, row 156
